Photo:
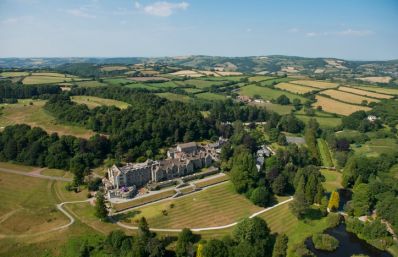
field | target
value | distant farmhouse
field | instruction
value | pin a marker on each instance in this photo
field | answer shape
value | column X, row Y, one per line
column 182, row 160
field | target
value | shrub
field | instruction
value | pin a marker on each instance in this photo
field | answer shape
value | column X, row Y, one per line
column 325, row 242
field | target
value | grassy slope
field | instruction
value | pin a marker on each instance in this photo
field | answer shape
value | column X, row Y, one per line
column 35, row 116
column 268, row 93
column 92, row 101
column 375, row 147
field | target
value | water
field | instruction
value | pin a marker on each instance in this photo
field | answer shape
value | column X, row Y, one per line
column 349, row 244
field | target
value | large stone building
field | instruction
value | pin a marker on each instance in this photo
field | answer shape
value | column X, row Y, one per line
column 183, row 160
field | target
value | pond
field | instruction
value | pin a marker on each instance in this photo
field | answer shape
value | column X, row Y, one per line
column 349, row 244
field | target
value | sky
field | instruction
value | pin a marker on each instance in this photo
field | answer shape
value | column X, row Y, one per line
column 348, row 29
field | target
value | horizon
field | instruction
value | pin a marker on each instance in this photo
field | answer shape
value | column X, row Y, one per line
column 357, row 31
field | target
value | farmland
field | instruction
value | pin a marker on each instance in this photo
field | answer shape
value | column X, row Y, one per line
column 347, row 97
column 364, row 92
column 10, row 74
column 175, row 97
column 215, row 206
column 267, row 93
column 90, row 83
column 296, row 89
column 377, row 146
column 92, row 102
column 325, row 120
column 30, row 80
column 315, row 83
column 389, row 91
column 35, row 116
column 211, row 96
column 278, row 108
column 333, row 106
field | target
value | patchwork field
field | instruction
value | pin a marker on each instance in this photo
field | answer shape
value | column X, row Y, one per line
column 267, row 93
column 90, row 83
column 92, row 101
column 333, row 106
column 188, row 73
column 31, row 80
column 259, row 78
column 348, row 97
column 27, row 205
column 294, row 88
column 35, row 116
column 324, row 120
column 215, row 206
column 198, row 83
column 113, row 68
column 315, row 83
column 53, row 74
column 382, row 90
column 385, row 79
column 10, row 74
column 364, row 92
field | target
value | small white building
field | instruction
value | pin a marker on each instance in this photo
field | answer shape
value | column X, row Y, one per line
column 372, row 118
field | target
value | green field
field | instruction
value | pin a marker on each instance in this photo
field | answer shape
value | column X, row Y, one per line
column 278, row 108
column 211, row 96
column 14, row 166
column 35, row 116
column 324, row 152
column 92, row 101
column 90, row 83
column 118, row 81
column 260, row 78
column 394, row 171
column 333, row 180
column 215, row 206
column 14, row 74
column 198, row 83
column 141, row 85
column 175, row 97
column 375, row 147
column 268, row 93
column 47, row 78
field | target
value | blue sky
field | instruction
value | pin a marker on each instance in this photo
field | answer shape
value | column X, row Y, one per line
column 351, row 29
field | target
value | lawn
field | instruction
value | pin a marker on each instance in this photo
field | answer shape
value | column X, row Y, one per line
column 267, row 93
column 333, row 180
column 211, row 96
column 215, row 206
column 17, row 167
column 375, row 147
column 334, row 106
column 324, row 152
column 324, row 121
column 27, row 205
column 175, row 97
column 35, row 116
column 92, row 101
column 348, row 97
column 57, row 173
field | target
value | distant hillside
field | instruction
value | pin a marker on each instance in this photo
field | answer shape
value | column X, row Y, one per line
column 274, row 64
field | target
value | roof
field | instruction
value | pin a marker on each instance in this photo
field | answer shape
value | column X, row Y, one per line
column 187, row 145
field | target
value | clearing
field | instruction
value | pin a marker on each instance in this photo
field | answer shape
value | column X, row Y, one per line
column 92, row 101
column 334, row 106
column 35, row 116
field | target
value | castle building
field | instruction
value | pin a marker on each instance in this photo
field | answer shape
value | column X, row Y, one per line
column 182, row 160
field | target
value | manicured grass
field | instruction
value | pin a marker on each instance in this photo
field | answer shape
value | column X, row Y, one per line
column 17, row 167
column 348, row 97
column 333, row 180
column 315, row 83
column 334, row 106
column 35, row 116
column 175, row 97
column 14, row 74
column 365, row 93
column 295, row 89
column 267, row 93
column 143, row 200
column 215, row 206
column 324, row 152
column 90, row 83
column 92, row 101
column 27, row 205
column 212, row 181
column 211, row 96
column 375, row 147
column 57, row 173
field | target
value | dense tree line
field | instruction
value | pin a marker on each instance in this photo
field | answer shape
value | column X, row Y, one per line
column 8, row 90
column 33, row 146
column 358, row 121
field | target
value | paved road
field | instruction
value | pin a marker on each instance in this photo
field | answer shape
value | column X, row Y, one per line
column 207, row 228
column 35, row 175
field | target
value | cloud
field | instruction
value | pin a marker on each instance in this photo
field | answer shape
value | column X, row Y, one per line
column 162, row 9
column 293, row 30
column 80, row 12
